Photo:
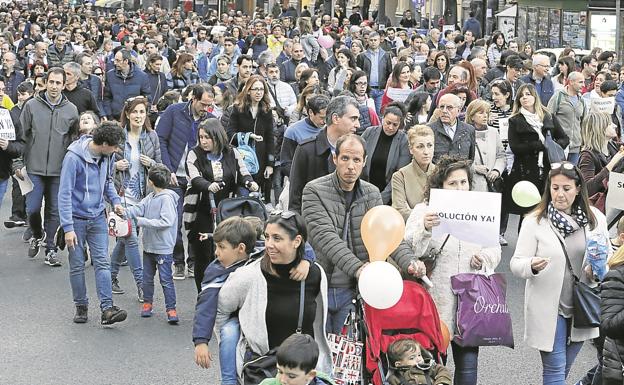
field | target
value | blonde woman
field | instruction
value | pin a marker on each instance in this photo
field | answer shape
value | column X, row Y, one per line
column 310, row 45
column 409, row 182
column 489, row 162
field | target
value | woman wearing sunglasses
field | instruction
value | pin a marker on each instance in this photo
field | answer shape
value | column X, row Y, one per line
column 267, row 299
column 562, row 223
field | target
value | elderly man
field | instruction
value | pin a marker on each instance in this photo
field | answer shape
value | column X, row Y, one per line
column 333, row 208
column 452, row 136
column 480, row 69
column 313, row 158
column 569, row 108
column 540, row 79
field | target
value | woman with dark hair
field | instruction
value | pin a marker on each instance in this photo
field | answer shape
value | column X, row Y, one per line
column 237, row 33
column 258, row 45
column 337, row 79
column 529, row 125
column 455, row 257
column 140, row 152
column 300, row 111
column 565, row 65
column 551, row 254
column 399, row 86
column 442, row 63
column 527, row 51
column 158, row 83
column 309, row 77
column 418, row 105
column 251, row 113
column 183, row 72
column 387, row 148
column 216, row 171
column 267, row 300
column 464, row 95
column 496, row 49
column 358, row 86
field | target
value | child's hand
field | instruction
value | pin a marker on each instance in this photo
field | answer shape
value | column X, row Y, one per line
column 203, row 236
column 202, row 356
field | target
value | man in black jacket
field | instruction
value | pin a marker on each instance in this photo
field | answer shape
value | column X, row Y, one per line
column 313, row 158
column 287, row 68
column 82, row 98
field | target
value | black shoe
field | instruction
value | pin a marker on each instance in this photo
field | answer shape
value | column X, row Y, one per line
column 35, row 244
column 27, row 235
column 81, row 314
column 52, row 259
column 12, row 223
column 124, row 262
column 112, row 315
column 116, row 288
column 178, row 273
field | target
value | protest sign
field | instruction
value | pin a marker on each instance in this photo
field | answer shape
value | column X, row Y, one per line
column 399, row 94
column 7, row 130
column 615, row 194
column 602, row 105
column 503, row 129
column 469, row 216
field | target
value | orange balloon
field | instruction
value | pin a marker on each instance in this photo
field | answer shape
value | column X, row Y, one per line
column 383, row 228
column 446, row 335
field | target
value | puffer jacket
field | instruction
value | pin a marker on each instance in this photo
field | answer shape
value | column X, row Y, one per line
column 55, row 59
column 48, row 130
column 612, row 326
column 324, row 210
column 149, row 145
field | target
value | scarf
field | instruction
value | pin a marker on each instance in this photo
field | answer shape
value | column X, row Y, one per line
column 536, row 124
column 560, row 221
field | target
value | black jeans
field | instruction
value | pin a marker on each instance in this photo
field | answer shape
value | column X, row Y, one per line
column 18, row 204
column 203, row 254
column 178, row 249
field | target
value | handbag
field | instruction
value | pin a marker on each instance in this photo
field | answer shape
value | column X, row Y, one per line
column 260, row 367
column 553, row 149
column 497, row 184
column 482, row 317
column 346, row 353
column 585, row 300
column 430, row 258
column 117, row 226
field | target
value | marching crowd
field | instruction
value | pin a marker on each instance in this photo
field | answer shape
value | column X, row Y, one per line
column 139, row 124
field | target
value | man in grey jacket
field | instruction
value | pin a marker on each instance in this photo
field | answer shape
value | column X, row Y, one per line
column 49, row 121
column 333, row 207
column 452, row 136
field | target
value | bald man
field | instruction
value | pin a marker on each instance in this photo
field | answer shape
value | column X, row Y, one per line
column 540, row 78
column 480, row 69
column 569, row 108
column 452, row 136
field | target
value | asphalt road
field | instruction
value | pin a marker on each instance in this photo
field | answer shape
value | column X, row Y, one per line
column 40, row 345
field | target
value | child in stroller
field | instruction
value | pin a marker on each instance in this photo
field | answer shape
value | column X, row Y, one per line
column 410, row 364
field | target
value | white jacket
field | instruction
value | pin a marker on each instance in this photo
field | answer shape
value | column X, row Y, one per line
column 454, row 259
column 542, row 291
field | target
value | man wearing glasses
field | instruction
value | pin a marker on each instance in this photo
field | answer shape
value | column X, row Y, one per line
column 540, row 79
column 125, row 81
column 452, row 136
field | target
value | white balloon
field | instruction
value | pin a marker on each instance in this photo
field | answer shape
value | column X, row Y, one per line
column 381, row 285
column 525, row 194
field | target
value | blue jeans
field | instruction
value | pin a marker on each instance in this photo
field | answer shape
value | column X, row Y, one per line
column 557, row 364
column 466, row 364
column 130, row 247
column 44, row 187
column 163, row 262
column 229, row 335
column 95, row 233
column 3, row 187
column 377, row 95
column 339, row 305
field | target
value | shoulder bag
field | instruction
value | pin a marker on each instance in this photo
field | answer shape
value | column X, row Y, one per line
column 259, row 367
column 553, row 149
column 585, row 300
column 497, row 184
column 430, row 258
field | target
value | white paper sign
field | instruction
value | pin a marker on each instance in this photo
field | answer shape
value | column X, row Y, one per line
column 615, row 193
column 503, row 128
column 469, row 216
column 399, row 94
column 602, row 105
column 25, row 185
column 7, row 130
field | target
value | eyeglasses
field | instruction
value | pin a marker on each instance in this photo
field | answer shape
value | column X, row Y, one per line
column 283, row 214
column 256, row 89
column 565, row 165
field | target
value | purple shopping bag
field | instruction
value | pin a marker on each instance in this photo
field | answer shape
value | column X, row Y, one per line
column 482, row 317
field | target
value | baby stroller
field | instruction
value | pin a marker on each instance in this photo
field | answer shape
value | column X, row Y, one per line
column 415, row 316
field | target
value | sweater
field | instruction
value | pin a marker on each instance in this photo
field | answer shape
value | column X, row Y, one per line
column 157, row 215
column 294, row 135
column 408, row 187
column 245, row 291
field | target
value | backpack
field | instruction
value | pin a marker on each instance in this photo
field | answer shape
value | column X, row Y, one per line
column 248, row 152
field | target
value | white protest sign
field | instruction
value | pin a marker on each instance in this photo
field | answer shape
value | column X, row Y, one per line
column 615, row 193
column 7, row 130
column 602, row 105
column 469, row 216
column 503, row 128
column 399, row 94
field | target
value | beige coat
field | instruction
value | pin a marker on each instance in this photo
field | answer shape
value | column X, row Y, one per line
column 542, row 291
column 408, row 187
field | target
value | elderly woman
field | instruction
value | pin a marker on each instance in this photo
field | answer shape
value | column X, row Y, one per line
column 489, row 161
column 387, row 149
column 455, row 257
column 409, row 183
column 267, row 300
column 550, row 254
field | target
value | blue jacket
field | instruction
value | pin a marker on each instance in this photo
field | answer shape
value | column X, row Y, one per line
column 176, row 130
column 546, row 89
column 157, row 216
column 84, row 184
column 473, row 25
column 117, row 89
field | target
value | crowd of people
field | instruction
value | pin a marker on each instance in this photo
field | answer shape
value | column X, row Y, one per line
column 148, row 120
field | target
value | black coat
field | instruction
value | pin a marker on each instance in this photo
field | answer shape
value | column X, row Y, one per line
column 15, row 148
column 242, row 121
column 526, row 146
column 83, row 99
column 313, row 159
column 612, row 325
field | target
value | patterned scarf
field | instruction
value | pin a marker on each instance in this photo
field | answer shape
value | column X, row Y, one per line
column 561, row 223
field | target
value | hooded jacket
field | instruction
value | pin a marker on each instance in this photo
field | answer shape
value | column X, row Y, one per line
column 157, row 215
column 47, row 131
column 85, row 181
